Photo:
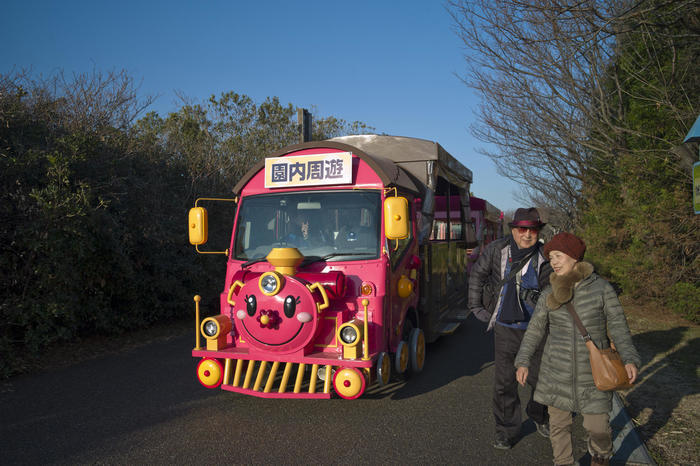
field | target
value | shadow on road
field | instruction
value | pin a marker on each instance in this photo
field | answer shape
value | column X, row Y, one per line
column 145, row 406
column 83, row 406
column 464, row 353
column 667, row 376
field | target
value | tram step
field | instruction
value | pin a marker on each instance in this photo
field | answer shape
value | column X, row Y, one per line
column 449, row 328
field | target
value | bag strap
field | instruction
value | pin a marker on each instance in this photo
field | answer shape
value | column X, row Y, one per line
column 577, row 320
column 518, row 267
column 584, row 333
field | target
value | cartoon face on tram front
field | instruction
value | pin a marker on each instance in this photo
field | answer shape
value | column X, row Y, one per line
column 276, row 312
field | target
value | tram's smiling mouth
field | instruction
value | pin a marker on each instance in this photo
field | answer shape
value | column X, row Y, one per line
column 271, row 344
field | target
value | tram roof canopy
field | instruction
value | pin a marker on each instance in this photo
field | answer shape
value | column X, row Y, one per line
column 399, row 161
column 491, row 212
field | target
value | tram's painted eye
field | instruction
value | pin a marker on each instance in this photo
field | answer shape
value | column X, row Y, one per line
column 251, row 304
column 290, row 306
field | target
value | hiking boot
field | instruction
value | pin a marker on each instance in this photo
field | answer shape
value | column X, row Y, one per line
column 543, row 429
column 599, row 461
column 502, row 442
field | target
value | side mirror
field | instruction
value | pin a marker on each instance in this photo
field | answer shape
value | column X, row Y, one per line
column 198, row 225
column 396, row 217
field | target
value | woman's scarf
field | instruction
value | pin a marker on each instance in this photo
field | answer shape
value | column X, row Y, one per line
column 563, row 285
column 511, row 310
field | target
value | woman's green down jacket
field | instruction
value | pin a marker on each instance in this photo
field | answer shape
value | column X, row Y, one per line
column 565, row 379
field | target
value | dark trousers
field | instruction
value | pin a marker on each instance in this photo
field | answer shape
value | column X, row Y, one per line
column 506, row 402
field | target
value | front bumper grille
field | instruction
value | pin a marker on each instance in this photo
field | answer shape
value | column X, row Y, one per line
column 276, row 379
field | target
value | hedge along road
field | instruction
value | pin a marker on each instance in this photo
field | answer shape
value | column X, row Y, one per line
column 145, row 405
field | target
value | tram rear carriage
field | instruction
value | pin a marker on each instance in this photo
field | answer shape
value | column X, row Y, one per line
column 488, row 224
column 346, row 257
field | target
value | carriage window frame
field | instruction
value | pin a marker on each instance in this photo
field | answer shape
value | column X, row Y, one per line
column 448, row 229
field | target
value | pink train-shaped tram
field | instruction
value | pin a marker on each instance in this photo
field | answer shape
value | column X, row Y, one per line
column 347, row 256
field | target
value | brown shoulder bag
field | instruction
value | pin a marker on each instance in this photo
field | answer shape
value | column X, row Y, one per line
column 609, row 372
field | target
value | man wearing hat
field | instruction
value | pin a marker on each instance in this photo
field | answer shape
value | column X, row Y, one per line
column 504, row 285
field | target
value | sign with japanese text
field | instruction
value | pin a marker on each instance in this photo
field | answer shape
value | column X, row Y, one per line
column 308, row 170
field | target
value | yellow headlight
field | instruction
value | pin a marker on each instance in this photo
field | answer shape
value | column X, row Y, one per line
column 350, row 333
column 270, row 283
column 213, row 327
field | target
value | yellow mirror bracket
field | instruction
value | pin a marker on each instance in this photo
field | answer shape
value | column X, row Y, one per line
column 231, row 290
column 197, row 299
column 210, row 252
column 199, row 223
column 234, row 200
column 319, row 287
column 388, row 190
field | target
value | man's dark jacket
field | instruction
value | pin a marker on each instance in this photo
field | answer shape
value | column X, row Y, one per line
column 488, row 272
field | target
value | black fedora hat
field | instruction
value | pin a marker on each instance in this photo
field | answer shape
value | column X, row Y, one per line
column 529, row 218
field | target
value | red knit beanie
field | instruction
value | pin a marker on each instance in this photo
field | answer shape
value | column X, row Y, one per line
column 569, row 244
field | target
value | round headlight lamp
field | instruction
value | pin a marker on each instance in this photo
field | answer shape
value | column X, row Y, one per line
column 270, row 283
column 215, row 327
column 349, row 335
column 210, row 328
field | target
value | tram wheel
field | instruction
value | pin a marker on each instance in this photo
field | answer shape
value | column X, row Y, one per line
column 416, row 346
column 210, row 372
column 383, row 369
column 401, row 357
column 349, row 383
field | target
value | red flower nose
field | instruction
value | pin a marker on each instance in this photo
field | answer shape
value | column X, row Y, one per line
column 269, row 319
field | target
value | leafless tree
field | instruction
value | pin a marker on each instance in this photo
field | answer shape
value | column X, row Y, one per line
column 551, row 89
column 93, row 100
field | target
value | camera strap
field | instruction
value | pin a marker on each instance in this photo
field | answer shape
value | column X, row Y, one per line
column 515, row 268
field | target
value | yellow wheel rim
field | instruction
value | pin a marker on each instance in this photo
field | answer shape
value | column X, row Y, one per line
column 349, row 383
column 210, row 373
column 384, row 366
column 401, row 357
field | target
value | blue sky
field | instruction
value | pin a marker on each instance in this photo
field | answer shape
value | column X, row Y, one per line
column 392, row 65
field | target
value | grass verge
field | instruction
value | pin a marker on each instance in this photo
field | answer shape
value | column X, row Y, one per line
column 665, row 403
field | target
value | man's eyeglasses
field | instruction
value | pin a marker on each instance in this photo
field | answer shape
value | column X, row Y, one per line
column 523, row 230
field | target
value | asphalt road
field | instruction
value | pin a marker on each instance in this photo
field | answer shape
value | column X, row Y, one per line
column 145, row 406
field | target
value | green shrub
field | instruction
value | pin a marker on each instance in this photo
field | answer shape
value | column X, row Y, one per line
column 93, row 237
column 684, row 299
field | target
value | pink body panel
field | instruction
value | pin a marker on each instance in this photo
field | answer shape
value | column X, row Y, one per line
column 355, row 272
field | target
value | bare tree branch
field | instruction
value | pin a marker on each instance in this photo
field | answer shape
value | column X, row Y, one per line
column 552, row 90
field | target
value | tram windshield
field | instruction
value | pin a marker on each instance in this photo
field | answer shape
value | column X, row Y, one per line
column 337, row 225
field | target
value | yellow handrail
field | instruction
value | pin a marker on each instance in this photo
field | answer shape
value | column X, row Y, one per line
column 321, row 290
column 229, row 299
column 365, row 337
column 197, row 299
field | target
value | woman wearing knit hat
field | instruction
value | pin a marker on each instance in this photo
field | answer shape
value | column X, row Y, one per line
column 565, row 379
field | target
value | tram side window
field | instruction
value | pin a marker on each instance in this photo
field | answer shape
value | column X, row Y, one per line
column 439, row 232
column 447, row 223
column 456, row 230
